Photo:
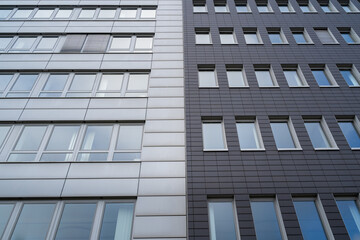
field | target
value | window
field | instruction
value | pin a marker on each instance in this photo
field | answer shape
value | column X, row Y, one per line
column 4, row 81
column 242, row 6
column 249, row 134
column 301, row 36
column 120, row 43
column 325, row 36
column 221, row 7
column 267, row 219
column 43, row 13
column 306, row 7
column 111, row 84
column 276, row 36
column 323, row 76
column 312, row 219
column 199, row 7
column 284, row 134
column 4, row 131
column 202, row 36
column 213, row 135
column 148, row 13
column 128, row 13
column 349, row 210
column 319, row 134
column 82, row 85
column 328, row 7
column 47, row 44
column 76, row 142
column 23, row 85
column 222, row 220
column 22, row 13
column 107, row 13
column 265, row 76
column 63, row 14
column 350, row 130
column 350, row 74
column 294, row 76
column 207, row 76
column 227, row 36
column 143, row 43
column 236, row 76
column 138, row 82
column 349, row 7
column 263, row 7
column 285, row 6
column 87, row 13
column 67, row 219
column 4, row 13
column 4, row 42
column 252, row 36
column 23, row 44
column 349, row 35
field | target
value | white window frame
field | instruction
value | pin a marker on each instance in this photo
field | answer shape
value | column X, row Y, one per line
column 198, row 5
column 208, row 69
column 356, row 123
column 353, row 71
column 351, row 6
column 292, row 131
column 305, row 34
column 299, row 73
column 22, row 8
column 282, row 36
column 268, row 6
column 12, row 10
column 289, row 6
column 238, row 69
column 228, row 32
column 255, row 31
column 203, row 32
column 327, row 133
column 352, row 34
column 330, row 33
column 244, row 5
column 327, row 73
column 225, row 149
column 258, row 133
column 272, row 75
column 331, row 7
column 221, row 5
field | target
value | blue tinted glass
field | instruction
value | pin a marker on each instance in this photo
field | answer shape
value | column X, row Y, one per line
column 349, row 78
column 5, row 211
column 275, row 38
column 24, row 83
column 351, row 135
column 222, row 221
column 321, row 78
column 317, row 135
column 282, row 135
column 248, row 137
column 309, row 220
column 348, row 38
column 351, row 217
column 299, row 38
column 265, row 221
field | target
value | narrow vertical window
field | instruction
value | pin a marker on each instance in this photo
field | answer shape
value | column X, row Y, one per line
column 284, row 134
column 4, row 131
column 323, row 76
column 350, row 214
column 236, row 76
column 213, row 135
column 222, row 220
column 264, row 76
column 351, row 133
column 207, row 76
column 319, row 134
column 249, row 134
column 4, row 81
column 129, row 143
column 350, row 74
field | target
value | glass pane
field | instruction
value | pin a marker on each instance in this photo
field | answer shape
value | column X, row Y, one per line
column 22, row 157
column 128, row 13
column 203, row 38
column 348, row 38
column 92, row 157
column 64, row 13
column 207, row 79
column 321, row 78
column 213, row 136
column 111, row 82
column 34, row 221
column 351, row 217
column 87, row 13
column 4, row 13
column 242, row 8
column 30, row 138
column 63, row 138
column 263, row 8
column 22, row 13
column 24, row 83
column 248, row 137
column 305, row 8
column 138, row 82
column 222, row 221
column 221, row 9
column 317, row 135
column 107, row 13
column 309, row 220
column 120, row 43
column 117, row 221
column 97, row 138
column 47, row 43
column 4, row 130
column 350, row 133
column 76, row 221
column 265, row 221
column 346, row 8
column 264, row 78
column 23, row 43
column 83, row 82
column 148, row 13
column 4, row 42
column 56, row 157
column 5, row 211
column 129, row 137
column 143, row 43
column 282, row 135
column 55, row 82
column 349, row 77
column 4, row 80
column 292, row 77
column 284, row 8
column 235, row 78
column 227, row 38
column 126, row 156
column 299, row 38
column 44, row 13
column 251, row 38
column 199, row 9
column 275, row 38
column 326, row 8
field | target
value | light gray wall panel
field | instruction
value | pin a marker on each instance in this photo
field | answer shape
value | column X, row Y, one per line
column 163, row 82
column 10, row 114
column 152, row 206
column 118, row 103
column 168, row 226
column 164, row 186
column 115, row 114
column 8, row 103
column 170, row 92
column 125, row 65
column 95, row 65
column 163, row 154
column 162, row 169
column 33, row 170
column 57, row 103
column 53, row 114
column 104, row 170
column 166, row 102
column 164, row 139
column 165, row 114
column 77, row 57
column 140, row 57
column 165, row 126
column 31, row 188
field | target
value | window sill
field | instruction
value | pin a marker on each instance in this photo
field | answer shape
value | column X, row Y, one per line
column 309, row 12
column 253, row 150
column 81, row 162
column 353, row 12
column 200, row 12
column 331, row 43
column 204, row 44
column 215, row 87
column 305, row 43
column 239, row 87
column 355, row 43
column 229, row 44
column 331, row 12
column 280, row 43
column 289, row 149
column 326, row 149
column 222, row 12
column 332, row 86
column 288, row 12
column 307, row 86
column 244, row 12
column 268, row 87
column 266, row 12
column 355, row 149
column 254, row 43
column 216, row 150
column 354, row 86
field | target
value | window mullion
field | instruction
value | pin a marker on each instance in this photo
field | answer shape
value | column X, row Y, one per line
column 79, row 140
column 12, row 221
column 55, row 220
column 96, row 84
column 44, row 142
column 113, row 141
column 95, row 232
column 132, row 44
column 11, row 83
column 67, row 85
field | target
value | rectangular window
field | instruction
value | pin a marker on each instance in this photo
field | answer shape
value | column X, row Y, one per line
column 236, row 76
column 76, row 142
column 350, row 129
column 96, row 43
column 263, row 7
column 4, row 14
column 87, row 13
column 284, row 134
column 323, row 76
column 22, row 14
column 128, row 13
column 349, row 210
column 349, row 35
column 350, row 74
column 75, row 219
column 202, row 36
column 23, row 85
column 207, row 76
column 200, row 8
column 47, row 44
column 43, row 13
column 325, row 36
column 242, row 6
column 327, row 7
column 23, row 44
column 252, row 36
column 249, row 134
column 319, row 134
column 148, row 13
column 120, row 44
column 276, row 36
column 349, row 7
column 265, row 76
column 285, row 6
column 312, row 219
column 4, row 42
column 107, row 13
column 267, row 219
column 222, row 220
column 213, row 135
column 294, row 76
column 306, row 6
column 63, row 13
column 4, row 81
column 143, row 43
column 221, row 6
column 301, row 36
column 227, row 36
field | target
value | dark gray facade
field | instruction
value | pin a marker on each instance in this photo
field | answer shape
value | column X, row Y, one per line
column 281, row 174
